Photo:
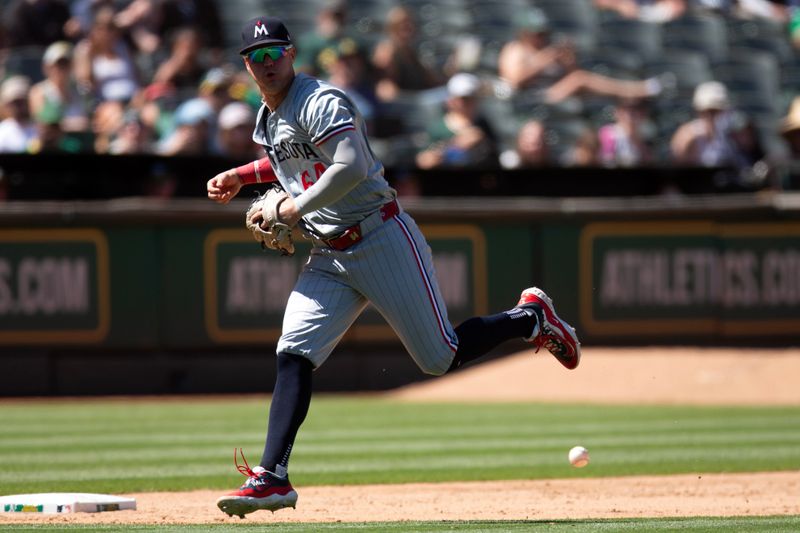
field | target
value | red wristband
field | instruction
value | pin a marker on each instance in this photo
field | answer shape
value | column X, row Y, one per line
column 259, row 171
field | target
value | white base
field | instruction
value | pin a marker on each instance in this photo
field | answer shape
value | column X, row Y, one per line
column 64, row 502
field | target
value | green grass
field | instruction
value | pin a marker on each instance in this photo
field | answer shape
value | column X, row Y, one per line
column 121, row 446
column 692, row 525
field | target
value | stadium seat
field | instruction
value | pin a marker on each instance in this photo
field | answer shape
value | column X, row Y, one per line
column 752, row 78
column 25, row 61
column 299, row 15
column 690, row 69
column 295, row 14
column 416, row 109
column 525, row 100
column 575, row 18
column 437, row 50
column 563, row 133
column 763, row 35
column 667, row 117
column 493, row 21
column 704, row 33
column 643, row 38
column 790, row 82
column 441, row 17
column 612, row 61
column 490, row 52
column 501, row 116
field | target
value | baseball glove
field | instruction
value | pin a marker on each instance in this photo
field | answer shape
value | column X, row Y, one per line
column 262, row 220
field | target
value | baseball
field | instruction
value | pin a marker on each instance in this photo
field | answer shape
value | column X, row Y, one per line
column 579, row 456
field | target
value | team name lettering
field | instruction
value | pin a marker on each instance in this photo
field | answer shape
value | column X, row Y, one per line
column 284, row 151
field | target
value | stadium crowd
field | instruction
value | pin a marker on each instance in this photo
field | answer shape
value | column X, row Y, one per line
column 455, row 83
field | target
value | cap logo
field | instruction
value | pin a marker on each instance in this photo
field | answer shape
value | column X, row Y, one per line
column 260, row 29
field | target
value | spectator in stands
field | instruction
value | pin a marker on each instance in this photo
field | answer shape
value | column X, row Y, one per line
column 217, row 87
column 466, row 55
column 81, row 17
column 35, row 22
column 182, row 69
column 461, row 137
column 716, row 137
column 713, row 6
column 794, row 26
column 104, row 63
column 17, row 130
column 3, row 186
column 217, row 90
column 235, row 132
column 720, row 137
column 60, row 90
column 51, row 137
column 244, row 88
column 149, row 22
column 317, row 50
column 584, row 151
column 398, row 65
column 155, row 106
column 348, row 71
column 134, row 137
column 137, row 20
column 622, row 143
column 776, row 11
column 531, row 60
column 202, row 15
column 192, row 133
column 107, row 120
column 530, row 148
column 790, row 130
column 656, row 11
column 790, row 127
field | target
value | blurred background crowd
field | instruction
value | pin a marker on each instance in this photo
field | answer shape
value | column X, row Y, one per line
column 442, row 83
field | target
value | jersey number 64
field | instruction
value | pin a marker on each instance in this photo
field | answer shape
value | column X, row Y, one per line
column 306, row 179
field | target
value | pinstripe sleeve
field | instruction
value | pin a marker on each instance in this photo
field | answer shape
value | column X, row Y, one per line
column 348, row 168
column 327, row 114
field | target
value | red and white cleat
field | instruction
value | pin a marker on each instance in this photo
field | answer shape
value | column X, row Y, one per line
column 262, row 490
column 553, row 333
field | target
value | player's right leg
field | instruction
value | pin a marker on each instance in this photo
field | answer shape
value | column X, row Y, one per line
column 320, row 310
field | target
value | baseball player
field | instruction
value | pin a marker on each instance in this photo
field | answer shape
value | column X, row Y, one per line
column 366, row 249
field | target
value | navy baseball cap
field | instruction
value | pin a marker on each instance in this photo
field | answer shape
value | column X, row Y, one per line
column 263, row 31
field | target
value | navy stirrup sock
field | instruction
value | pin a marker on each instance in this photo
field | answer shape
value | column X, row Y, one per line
column 478, row 335
column 288, row 409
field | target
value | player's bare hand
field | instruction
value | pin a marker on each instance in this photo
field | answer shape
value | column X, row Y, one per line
column 287, row 212
column 256, row 217
column 223, row 187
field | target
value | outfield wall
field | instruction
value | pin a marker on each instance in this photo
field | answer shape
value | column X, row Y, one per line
column 108, row 285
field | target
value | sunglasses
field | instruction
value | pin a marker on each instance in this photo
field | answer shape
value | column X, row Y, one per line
column 273, row 52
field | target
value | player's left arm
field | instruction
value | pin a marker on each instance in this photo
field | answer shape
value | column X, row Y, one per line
column 223, row 187
column 349, row 166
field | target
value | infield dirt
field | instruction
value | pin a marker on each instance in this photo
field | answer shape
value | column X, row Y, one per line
column 606, row 375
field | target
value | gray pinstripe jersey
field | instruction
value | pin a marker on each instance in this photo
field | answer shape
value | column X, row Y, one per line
column 313, row 112
column 391, row 267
